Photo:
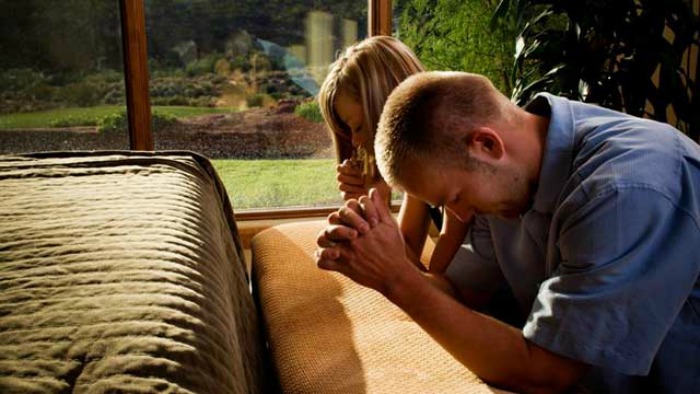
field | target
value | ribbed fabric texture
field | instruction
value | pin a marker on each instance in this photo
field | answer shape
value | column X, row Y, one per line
column 122, row 272
column 329, row 335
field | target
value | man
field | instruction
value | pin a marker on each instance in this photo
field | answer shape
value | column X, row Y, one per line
column 592, row 217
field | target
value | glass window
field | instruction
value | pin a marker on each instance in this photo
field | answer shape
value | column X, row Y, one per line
column 459, row 35
column 61, row 76
column 236, row 81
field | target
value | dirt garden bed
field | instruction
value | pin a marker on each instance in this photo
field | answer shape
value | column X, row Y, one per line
column 256, row 133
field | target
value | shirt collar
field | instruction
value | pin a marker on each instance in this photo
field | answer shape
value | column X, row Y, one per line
column 558, row 152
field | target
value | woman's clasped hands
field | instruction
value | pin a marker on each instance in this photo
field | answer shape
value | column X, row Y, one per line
column 352, row 183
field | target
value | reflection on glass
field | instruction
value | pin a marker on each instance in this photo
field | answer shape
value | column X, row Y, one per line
column 61, row 76
column 236, row 81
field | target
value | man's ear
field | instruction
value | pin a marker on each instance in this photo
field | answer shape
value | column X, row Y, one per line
column 485, row 143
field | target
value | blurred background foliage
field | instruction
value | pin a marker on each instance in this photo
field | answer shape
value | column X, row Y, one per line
column 635, row 56
column 84, row 35
column 459, row 35
column 68, row 54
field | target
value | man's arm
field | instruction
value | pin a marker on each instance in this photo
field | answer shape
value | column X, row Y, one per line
column 495, row 351
column 374, row 256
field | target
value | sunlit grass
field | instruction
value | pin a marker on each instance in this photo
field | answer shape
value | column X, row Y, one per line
column 279, row 183
column 90, row 115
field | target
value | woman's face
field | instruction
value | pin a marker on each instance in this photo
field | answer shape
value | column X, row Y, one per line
column 350, row 112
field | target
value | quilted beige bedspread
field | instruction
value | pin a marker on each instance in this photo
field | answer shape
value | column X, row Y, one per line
column 122, row 272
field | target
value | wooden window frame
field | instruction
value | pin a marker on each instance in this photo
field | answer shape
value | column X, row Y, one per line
column 133, row 16
column 379, row 18
column 138, row 106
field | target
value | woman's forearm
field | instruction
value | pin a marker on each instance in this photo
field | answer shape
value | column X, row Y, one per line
column 414, row 222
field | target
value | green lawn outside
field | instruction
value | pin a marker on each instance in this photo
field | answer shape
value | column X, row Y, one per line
column 279, row 183
column 27, row 120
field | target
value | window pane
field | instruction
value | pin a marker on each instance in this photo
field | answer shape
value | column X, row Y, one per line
column 459, row 35
column 235, row 81
column 61, row 76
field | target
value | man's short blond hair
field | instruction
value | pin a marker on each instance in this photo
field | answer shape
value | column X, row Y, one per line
column 423, row 117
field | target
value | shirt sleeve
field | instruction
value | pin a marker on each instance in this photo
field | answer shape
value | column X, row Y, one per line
column 474, row 265
column 629, row 260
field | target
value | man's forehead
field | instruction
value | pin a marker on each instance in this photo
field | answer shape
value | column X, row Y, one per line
column 426, row 185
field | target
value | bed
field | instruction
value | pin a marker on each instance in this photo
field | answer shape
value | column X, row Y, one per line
column 122, row 272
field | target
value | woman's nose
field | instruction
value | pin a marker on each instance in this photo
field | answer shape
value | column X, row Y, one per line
column 358, row 139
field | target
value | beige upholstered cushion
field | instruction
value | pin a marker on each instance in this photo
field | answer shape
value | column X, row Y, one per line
column 329, row 335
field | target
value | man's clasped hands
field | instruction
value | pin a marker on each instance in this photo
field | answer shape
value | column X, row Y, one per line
column 363, row 242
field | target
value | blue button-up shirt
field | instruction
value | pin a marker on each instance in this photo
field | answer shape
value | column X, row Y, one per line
column 606, row 263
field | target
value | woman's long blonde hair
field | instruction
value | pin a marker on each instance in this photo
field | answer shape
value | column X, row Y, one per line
column 368, row 71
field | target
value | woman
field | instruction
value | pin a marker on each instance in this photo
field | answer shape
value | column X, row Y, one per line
column 351, row 100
